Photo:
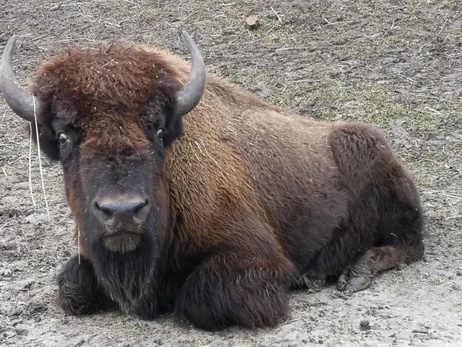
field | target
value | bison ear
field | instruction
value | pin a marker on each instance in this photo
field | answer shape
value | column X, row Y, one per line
column 173, row 127
column 172, row 132
column 159, row 114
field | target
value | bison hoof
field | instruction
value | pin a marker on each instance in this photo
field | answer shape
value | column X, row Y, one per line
column 352, row 284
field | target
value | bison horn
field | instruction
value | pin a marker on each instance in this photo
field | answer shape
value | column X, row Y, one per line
column 16, row 97
column 190, row 95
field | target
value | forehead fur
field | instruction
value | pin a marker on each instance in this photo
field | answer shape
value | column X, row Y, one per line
column 104, row 91
column 115, row 76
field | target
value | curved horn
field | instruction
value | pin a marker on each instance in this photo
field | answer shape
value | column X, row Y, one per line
column 16, row 97
column 190, row 95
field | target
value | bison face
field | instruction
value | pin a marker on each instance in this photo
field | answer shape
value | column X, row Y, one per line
column 113, row 170
column 108, row 115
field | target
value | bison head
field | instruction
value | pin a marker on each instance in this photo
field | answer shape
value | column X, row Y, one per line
column 108, row 115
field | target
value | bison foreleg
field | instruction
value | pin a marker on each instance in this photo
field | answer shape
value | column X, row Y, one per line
column 78, row 291
column 225, row 290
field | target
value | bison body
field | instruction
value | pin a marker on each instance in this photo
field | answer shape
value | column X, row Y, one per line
column 213, row 210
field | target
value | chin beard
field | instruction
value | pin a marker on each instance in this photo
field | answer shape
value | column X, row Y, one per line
column 122, row 243
column 128, row 274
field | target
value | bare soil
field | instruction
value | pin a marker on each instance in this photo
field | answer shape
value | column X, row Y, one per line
column 395, row 63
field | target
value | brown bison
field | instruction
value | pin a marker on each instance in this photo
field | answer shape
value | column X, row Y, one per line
column 193, row 196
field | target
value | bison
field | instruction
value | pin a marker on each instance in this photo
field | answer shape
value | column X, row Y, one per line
column 191, row 195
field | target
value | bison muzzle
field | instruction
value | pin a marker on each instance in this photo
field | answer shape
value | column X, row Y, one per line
column 192, row 195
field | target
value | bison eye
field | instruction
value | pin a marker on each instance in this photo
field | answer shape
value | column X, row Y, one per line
column 63, row 139
column 160, row 133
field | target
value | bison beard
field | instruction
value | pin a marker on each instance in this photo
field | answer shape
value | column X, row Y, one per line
column 129, row 278
column 249, row 199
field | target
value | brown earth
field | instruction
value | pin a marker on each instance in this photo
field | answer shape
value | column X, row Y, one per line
column 395, row 63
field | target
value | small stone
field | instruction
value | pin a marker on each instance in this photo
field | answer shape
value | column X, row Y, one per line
column 364, row 325
column 6, row 272
column 15, row 312
column 459, row 273
column 21, row 332
column 252, row 22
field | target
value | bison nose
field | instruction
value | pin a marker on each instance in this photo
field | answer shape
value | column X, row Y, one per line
column 127, row 209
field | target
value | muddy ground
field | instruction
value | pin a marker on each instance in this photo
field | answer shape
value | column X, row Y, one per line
column 395, row 63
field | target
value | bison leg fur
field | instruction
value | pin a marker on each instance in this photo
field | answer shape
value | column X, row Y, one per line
column 222, row 292
column 308, row 283
column 78, row 290
column 389, row 201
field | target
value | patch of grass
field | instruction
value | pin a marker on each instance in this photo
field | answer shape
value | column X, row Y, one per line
column 437, row 281
column 148, row 13
column 368, row 102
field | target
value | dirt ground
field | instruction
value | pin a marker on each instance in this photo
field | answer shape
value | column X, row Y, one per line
column 395, row 63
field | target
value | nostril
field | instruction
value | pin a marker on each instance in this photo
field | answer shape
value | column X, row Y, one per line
column 103, row 209
column 109, row 207
column 141, row 206
column 100, row 212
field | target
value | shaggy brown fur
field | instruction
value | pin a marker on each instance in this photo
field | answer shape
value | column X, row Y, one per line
column 251, row 199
